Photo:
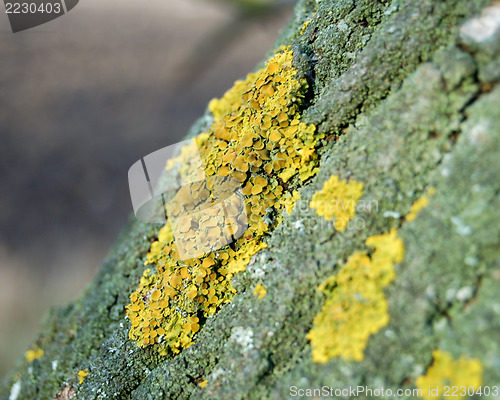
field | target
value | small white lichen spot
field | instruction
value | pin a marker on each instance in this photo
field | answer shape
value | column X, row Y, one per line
column 244, row 337
column 464, row 293
column 484, row 27
column 342, row 26
column 392, row 214
column 441, row 325
column 389, row 333
column 450, row 294
column 257, row 273
column 479, row 133
column 471, row 261
column 445, row 172
column 298, row 224
column 216, row 373
column 54, row 364
column 14, row 391
column 461, row 228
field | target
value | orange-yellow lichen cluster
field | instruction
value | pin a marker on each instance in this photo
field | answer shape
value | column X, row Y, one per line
column 306, row 23
column 355, row 306
column 337, row 199
column 82, row 375
column 206, row 215
column 34, row 354
column 168, row 305
column 289, row 200
column 258, row 140
column 203, row 384
column 464, row 374
column 258, row 129
column 304, row 26
column 260, row 291
column 419, row 204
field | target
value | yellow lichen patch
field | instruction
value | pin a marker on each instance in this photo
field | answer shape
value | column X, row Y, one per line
column 355, row 306
column 289, row 200
column 188, row 159
column 82, row 375
column 304, row 26
column 260, row 291
column 337, row 199
column 203, row 384
column 419, row 204
column 306, row 23
column 446, row 371
column 165, row 234
column 258, row 140
column 34, row 354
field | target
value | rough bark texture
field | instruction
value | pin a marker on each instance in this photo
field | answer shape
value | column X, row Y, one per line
column 407, row 94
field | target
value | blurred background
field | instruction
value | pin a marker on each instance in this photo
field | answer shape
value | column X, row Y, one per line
column 81, row 99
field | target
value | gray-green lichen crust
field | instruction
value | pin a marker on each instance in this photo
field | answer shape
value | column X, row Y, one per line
column 407, row 95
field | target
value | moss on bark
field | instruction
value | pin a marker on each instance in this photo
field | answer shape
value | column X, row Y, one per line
column 407, row 94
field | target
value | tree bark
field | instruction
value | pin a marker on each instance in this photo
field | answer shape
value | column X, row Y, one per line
column 407, row 95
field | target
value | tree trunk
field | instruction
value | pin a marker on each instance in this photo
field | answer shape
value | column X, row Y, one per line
column 406, row 96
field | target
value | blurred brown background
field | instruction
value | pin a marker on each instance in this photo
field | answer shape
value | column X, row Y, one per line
column 81, row 99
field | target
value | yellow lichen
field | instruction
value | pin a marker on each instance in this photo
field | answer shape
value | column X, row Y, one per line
column 185, row 159
column 289, row 201
column 257, row 139
column 203, row 384
column 82, row 375
column 260, row 291
column 337, row 199
column 304, row 26
column 34, row 354
column 419, row 204
column 306, row 23
column 355, row 306
column 445, row 371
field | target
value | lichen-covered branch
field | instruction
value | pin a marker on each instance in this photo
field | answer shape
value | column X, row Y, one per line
column 385, row 197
